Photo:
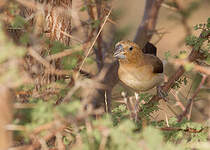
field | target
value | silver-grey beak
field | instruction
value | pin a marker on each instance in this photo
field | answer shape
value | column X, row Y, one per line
column 119, row 52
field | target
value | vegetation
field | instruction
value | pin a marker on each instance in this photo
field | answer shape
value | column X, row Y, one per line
column 55, row 73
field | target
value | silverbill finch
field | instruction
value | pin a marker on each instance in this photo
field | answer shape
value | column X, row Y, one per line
column 138, row 70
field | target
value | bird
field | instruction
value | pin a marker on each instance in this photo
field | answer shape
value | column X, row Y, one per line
column 139, row 69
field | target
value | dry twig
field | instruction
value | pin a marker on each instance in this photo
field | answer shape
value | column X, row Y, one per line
column 191, row 100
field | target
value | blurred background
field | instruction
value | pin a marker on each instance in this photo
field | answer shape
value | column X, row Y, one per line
column 53, row 63
column 168, row 22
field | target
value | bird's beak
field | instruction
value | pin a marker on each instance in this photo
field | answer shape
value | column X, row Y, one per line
column 119, row 52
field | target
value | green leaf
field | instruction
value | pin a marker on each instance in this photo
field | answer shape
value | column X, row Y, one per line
column 89, row 60
column 19, row 22
column 69, row 62
column 95, row 23
column 70, row 108
column 83, row 8
column 208, row 23
column 24, row 39
column 196, row 27
column 56, row 47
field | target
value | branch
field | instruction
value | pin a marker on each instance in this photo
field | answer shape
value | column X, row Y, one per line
column 147, row 26
column 98, row 52
column 194, row 55
column 199, row 68
column 189, row 130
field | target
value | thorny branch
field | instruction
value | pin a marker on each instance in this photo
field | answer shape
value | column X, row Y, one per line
column 147, row 26
column 195, row 54
column 190, row 130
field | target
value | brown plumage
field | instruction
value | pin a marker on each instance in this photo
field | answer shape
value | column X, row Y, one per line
column 149, row 48
column 138, row 70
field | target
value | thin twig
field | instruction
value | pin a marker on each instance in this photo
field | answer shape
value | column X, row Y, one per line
column 64, row 53
column 189, row 105
column 190, row 130
column 102, row 26
column 49, row 68
column 201, row 69
column 178, row 101
column 169, row 7
column 71, row 36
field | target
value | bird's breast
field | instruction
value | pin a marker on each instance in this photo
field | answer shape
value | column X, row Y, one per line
column 139, row 78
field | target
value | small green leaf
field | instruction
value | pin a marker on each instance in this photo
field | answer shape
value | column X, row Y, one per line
column 196, row 27
column 95, row 23
column 56, row 47
column 18, row 22
column 89, row 60
column 83, row 8
column 208, row 23
column 24, row 39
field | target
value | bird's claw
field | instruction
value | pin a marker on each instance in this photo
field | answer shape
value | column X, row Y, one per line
column 162, row 94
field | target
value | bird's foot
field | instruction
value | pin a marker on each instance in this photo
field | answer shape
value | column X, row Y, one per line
column 162, row 93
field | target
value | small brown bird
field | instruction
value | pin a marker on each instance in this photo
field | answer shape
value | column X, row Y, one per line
column 140, row 71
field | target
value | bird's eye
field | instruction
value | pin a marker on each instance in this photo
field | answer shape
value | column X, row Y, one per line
column 131, row 48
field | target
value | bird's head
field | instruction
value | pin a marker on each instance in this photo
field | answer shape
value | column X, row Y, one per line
column 127, row 50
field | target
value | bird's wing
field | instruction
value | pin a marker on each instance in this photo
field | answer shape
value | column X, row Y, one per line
column 149, row 48
column 155, row 62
